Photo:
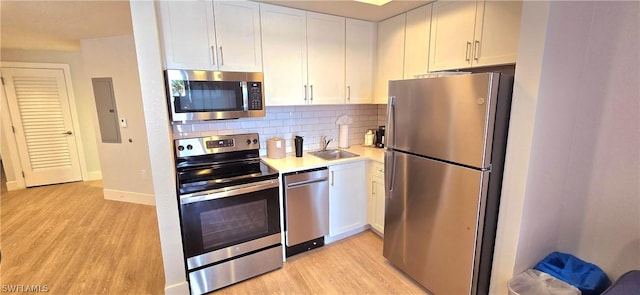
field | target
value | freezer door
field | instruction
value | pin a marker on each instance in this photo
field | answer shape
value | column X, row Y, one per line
column 431, row 221
column 449, row 118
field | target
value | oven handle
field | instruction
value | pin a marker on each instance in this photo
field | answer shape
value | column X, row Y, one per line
column 228, row 191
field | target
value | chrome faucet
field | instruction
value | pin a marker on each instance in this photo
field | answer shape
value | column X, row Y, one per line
column 325, row 143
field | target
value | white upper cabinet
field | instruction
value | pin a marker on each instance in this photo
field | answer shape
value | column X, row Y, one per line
column 208, row 35
column 416, row 49
column 237, row 25
column 390, row 57
column 326, row 58
column 452, row 34
column 188, row 34
column 467, row 34
column 498, row 33
column 361, row 44
column 284, row 50
column 304, row 56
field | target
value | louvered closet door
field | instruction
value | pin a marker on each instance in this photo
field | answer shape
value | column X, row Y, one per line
column 40, row 112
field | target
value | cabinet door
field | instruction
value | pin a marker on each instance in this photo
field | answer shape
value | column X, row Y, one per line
column 237, row 26
column 452, row 27
column 378, row 199
column 347, row 198
column 188, row 34
column 497, row 32
column 284, row 54
column 376, row 202
column 325, row 46
column 390, row 57
column 416, row 49
column 361, row 42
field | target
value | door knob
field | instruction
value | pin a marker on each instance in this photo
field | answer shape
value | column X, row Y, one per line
column 67, row 133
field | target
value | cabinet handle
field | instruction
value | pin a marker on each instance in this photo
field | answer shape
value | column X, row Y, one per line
column 333, row 177
column 305, row 92
column 373, row 191
column 213, row 55
column 348, row 92
column 221, row 57
column 381, row 170
column 476, row 50
column 311, row 93
column 467, row 52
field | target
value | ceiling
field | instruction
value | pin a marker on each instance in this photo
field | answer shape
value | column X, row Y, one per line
column 352, row 9
column 59, row 25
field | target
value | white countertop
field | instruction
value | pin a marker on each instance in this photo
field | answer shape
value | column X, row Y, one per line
column 291, row 163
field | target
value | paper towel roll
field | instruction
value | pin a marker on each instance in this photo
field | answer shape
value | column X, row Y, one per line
column 276, row 148
column 343, row 140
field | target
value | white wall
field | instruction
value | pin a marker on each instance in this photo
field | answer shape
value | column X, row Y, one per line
column 572, row 168
column 143, row 17
column 125, row 166
column 82, row 92
column 600, row 197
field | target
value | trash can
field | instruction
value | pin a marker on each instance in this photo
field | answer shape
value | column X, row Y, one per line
column 534, row 282
column 585, row 276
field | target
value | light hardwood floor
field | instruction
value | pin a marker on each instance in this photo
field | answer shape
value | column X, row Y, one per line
column 70, row 239
column 351, row 266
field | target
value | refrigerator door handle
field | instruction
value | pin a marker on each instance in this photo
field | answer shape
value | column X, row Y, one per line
column 390, row 169
column 391, row 118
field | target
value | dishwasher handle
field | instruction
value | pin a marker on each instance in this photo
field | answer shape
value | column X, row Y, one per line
column 306, row 182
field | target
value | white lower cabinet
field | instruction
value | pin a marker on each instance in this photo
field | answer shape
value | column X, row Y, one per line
column 376, row 202
column 347, row 198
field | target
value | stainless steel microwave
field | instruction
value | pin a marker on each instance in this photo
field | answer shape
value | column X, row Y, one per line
column 214, row 95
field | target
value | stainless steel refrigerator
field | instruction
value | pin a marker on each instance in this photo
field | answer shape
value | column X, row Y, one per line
column 445, row 144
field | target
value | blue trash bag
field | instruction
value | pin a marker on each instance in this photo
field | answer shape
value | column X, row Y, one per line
column 587, row 277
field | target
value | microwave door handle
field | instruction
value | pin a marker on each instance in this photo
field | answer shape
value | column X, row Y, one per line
column 245, row 96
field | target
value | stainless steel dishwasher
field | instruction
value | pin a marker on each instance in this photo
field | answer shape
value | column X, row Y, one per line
column 306, row 204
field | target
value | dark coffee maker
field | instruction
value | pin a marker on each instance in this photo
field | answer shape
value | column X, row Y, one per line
column 380, row 137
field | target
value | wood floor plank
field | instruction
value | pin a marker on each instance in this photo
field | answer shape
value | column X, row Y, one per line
column 70, row 239
column 351, row 266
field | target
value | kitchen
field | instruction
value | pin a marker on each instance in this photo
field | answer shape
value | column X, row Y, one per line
column 531, row 60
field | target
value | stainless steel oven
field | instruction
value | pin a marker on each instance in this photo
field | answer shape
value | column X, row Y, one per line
column 212, row 95
column 229, row 210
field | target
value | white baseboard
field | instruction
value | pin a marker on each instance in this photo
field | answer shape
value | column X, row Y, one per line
column 329, row 240
column 130, row 197
column 94, row 175
column 13, row 185
column 181, row 288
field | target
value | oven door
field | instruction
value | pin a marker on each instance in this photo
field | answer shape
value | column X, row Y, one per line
column 227, row 222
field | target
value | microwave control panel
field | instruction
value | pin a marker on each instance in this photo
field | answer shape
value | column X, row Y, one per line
column 254, row 90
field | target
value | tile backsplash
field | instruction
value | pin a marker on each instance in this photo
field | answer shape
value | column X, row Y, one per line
column 310, row 122
column 382, row 114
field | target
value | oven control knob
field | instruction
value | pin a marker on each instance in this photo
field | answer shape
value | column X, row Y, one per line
column 181, row 148
column 255, row 141
column 248, row 141
column 189, row 147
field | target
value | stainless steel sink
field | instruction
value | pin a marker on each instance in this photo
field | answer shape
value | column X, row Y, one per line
column 333, row 154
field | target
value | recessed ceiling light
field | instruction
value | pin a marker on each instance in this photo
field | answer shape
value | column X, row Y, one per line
column 375, row 2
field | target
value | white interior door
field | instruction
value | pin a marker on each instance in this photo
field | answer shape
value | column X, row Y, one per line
column 41, row 115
